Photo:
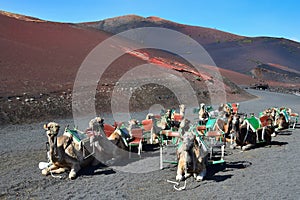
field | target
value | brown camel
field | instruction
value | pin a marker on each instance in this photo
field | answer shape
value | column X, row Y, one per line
column 65, row 153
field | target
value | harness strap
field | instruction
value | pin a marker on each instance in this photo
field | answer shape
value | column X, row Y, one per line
column 257, row 140
column 248, row 126
column 218, row 127
column 263, row 134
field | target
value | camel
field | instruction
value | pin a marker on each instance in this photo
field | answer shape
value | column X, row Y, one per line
column 157, row 127
column 176, row 118
column 282, row 120
column 250, row 135
column 280, row 116
column 109, row 148
column 191, row 157
column 224, row 109
column 65, row 153
column 203, row 114
column 122, row 135
column 182, row 110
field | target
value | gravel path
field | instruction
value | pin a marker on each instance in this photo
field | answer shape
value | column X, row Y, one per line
column 261, row 173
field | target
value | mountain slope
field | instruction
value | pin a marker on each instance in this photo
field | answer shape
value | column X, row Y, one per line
column 36, row 54
column 229, row 51
column 39, row 61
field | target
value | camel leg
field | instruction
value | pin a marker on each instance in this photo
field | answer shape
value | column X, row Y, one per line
column 180, row 170
column 187, row 175
column 247, row 147
column 59, row 170
column 201, row 175
column 54, row 169
column 233, row 146
column 47, row 170
column 74, row 170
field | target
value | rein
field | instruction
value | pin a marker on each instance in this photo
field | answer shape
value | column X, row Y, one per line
column 219, row 129
column 177, row 184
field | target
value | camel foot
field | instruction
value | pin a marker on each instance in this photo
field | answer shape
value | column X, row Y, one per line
column 45, row 172
column 187, row 175
column 274, row 134
column 232, row 146
column 247, row 147
column 200, row 176
column 72, row 174
column 179, row 177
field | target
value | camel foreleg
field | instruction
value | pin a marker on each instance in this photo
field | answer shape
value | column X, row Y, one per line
column 200, row 176
column 54, row 169
column 180, row 171
column 74, row 170
column 247, row 147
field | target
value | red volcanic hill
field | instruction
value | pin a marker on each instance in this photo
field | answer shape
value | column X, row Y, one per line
column 39, row 61
column 240, row 54
column 37, row 55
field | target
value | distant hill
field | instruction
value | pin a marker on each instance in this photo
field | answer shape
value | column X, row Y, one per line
column 232, row 52
column 39, row 61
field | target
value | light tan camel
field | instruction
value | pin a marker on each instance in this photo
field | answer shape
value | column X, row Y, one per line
column 191, row 158
column 111, row 148
column 65, row 154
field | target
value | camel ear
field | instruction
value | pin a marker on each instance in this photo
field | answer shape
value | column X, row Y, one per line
column 45, row 127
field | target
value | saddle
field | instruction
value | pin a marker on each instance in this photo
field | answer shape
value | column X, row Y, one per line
column 75, row 135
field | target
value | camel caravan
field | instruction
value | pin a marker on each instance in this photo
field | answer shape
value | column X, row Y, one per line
column 197, row 144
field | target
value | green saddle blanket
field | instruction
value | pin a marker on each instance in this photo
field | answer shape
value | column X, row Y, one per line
column 77, row 137
column 254, row 123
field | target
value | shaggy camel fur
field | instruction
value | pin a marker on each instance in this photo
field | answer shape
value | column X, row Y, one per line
column 191, row 158
column 65, row 153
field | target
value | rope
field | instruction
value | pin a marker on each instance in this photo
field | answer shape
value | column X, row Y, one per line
column 177, row 184
column 55, row 176
column 218, row 127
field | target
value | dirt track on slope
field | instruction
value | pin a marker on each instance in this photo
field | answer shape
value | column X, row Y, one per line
column 261, row 173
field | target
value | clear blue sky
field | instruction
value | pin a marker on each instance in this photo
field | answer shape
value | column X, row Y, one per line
column 276, row 18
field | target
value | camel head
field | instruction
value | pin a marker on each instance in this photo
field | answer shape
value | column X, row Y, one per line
column 168, row 113
column 202, row 106
column 225, row 108
column 202, row 109
column 133, row 122
column 96, row 123
column 52, row 129
column 268, row 112
column 182, row 108
column 185, row 125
